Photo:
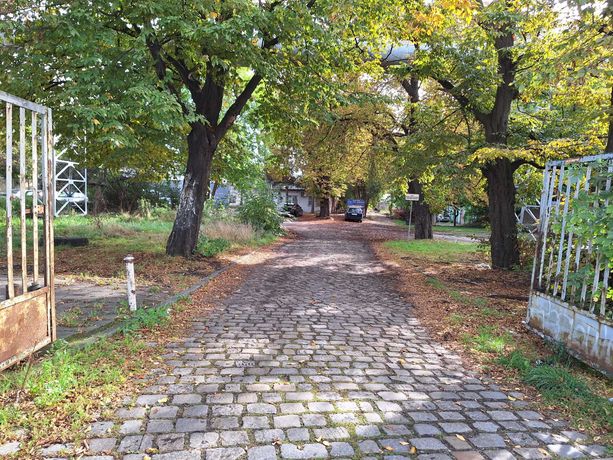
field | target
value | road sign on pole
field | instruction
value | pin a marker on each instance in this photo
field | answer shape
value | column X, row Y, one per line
column 410, row 197
column 410, row 216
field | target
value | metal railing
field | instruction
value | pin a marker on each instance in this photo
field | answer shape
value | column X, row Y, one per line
column 573, row 256
column 27, row 313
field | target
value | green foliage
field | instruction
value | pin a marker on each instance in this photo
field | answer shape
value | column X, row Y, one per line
column 64, row 370
column 433, row 249
column 210, row 247
column 260, row 210
column 487, row 340
column 559, row 385
column 147, row 62
column 128, row 192
column 554, row 380
column 145, row 318
column 590, row 220
column 515, row 360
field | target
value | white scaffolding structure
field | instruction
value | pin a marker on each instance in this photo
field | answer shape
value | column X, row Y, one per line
column 70, row 185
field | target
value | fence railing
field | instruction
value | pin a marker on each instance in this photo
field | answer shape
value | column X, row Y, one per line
column 574, row 253
column 27, row 305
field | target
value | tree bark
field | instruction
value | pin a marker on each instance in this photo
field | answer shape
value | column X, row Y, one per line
column 99, row 201
column 422, row 217
column 324, row 207
column 609, row 146
column 184, row 236
column 501, row 196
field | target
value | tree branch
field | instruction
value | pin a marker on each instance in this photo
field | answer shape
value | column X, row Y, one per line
column 464, row 102
column 520, row 162
column 155, row 49
column 237, row 106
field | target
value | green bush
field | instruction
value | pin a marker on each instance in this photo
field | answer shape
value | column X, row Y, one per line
column 215, row 212
column 260, row 210
column 210, row 247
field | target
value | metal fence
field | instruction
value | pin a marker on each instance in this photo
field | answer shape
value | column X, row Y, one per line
column 574, row 249
column 27, row 313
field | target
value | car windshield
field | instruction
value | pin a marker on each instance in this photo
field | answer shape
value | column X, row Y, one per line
column 355, row 210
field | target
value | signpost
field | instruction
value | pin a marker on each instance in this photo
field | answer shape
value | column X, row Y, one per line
column 410, row 197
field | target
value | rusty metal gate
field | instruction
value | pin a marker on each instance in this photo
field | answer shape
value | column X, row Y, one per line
column 27, row 307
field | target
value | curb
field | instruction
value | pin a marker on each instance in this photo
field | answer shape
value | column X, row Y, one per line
column 112, row 328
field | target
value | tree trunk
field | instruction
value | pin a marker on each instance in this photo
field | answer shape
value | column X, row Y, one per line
column 609, row 146
column 324, row 207
column 422, row 217
column 99, row 201
column 184, row 236
column 501, row 196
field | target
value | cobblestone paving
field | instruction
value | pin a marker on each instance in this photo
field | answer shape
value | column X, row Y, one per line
column 316, row 356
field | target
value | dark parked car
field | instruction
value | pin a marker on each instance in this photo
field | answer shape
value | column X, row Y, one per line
column 354, row 214
column 294, row 209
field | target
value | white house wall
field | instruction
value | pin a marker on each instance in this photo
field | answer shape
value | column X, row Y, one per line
column 296, row 196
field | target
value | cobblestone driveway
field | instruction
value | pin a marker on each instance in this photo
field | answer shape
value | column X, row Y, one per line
column 316, row 356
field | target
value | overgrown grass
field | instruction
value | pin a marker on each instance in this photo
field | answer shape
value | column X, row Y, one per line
column 124, row 233
column 56, row 396
column 434, row 250
column 222, row 231
column 145, row 318
column 560, row 387
column 458, row 230
column 488, row 340
column 462, row 230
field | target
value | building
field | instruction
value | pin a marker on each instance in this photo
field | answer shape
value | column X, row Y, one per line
column 290, row 192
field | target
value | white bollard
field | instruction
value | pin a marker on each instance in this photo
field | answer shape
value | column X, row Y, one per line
column 129, row 260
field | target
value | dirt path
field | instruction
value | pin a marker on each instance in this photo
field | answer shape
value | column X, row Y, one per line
column 317, row 356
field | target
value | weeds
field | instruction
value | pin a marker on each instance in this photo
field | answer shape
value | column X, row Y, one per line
column 145, row 318
column 234, row 232
column 211, row 247
column 55, row 398
column 487, row 340
column 560, row 387
column 71, row 317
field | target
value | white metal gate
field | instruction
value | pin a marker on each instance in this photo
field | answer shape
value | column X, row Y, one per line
column 571, row 299
column 27, row 307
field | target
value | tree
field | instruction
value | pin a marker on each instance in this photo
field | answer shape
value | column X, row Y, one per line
column 198, row 62
column 345, row 152
column 421, row 209
column 497, row 26
column 490, row 66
